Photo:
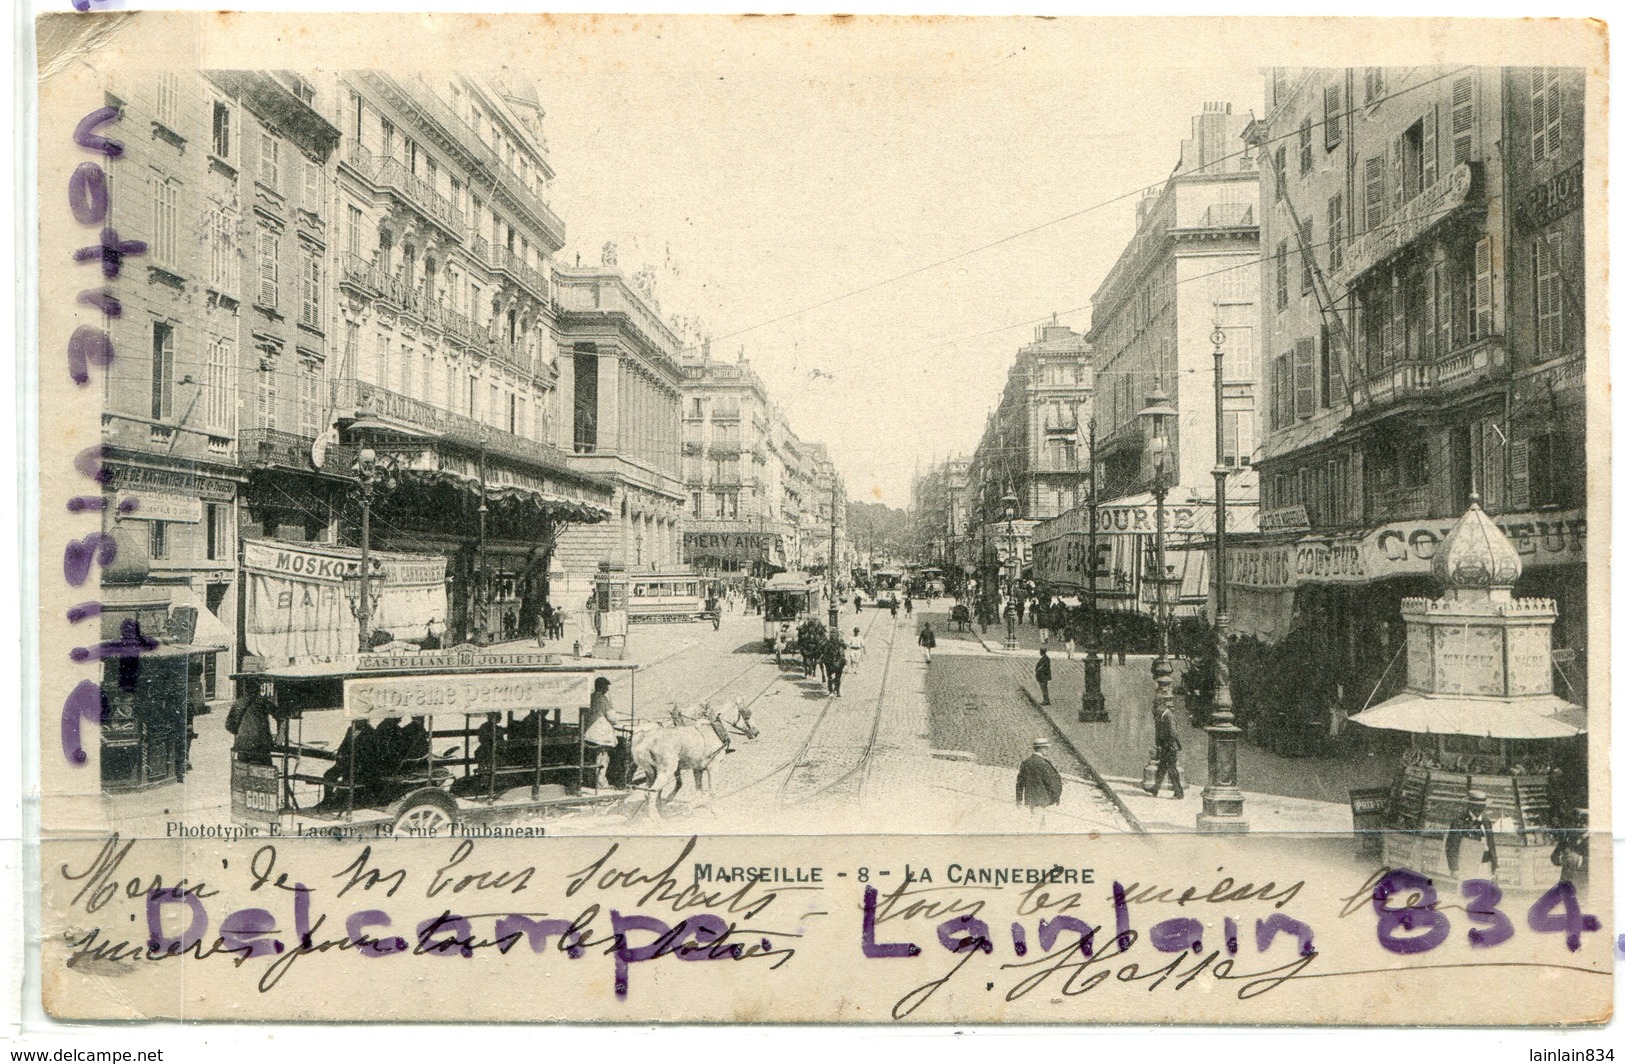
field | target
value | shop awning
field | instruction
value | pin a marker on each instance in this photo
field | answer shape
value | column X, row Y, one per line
column 209, row 634
column 1539, row 717
column 579, row 511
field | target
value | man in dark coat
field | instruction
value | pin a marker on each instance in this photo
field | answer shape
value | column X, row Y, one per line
column 1042, row 672
column 928, row 641
column 1168, row 747
column 1473, row 822
column 1038, row 784
column 834, row 664
column 250, row 723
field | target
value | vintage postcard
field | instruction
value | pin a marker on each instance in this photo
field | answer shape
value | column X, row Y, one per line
column 814, row 519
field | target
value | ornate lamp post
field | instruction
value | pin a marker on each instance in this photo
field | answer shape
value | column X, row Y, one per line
column 1010, row 572
column 1221, row 798
column 371, row 474
column 1158, row 412
column 482, row 583
column 1092, row 710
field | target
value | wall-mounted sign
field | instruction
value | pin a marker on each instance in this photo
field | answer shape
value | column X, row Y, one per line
column 151, row 506
column 1553, row 198
column 1425, row 211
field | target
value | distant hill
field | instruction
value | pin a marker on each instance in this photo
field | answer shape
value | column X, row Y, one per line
column 882, row 529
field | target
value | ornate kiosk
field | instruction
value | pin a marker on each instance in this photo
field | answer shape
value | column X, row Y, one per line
column 1492, row 745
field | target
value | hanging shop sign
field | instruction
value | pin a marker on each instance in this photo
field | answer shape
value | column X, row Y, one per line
column 1553, row 198
column 1406, row 548
column 1424, row 212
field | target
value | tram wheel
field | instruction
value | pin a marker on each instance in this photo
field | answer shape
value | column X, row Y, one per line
column 426, row 815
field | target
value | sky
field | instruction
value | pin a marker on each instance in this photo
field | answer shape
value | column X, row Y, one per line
column 770, row 174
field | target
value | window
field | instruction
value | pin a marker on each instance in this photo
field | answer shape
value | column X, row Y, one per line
column 1410, row 163
column 1548, row 296
column 266, row 392
column 699, row 508
column 1334, row 231
column 1556, row 470
column 352, row 236
column 310, row 301
column 1281, row 386
column 158, row 540
column 357, row 112
column 216, row 534
column 219, row 394
column 388, row 129
column 165, row 214
column 1238, row 438
column 1331, row 371
column 268, row 267
column 167, row 110
column 222, row 140
column 1306, row 145
column 456, row 195
column 1333, row 127
column 1487, row 442
column 1280, row 173
column 408, row 382
column 163, row 371
column 1306, row 243
column 1280, row 277
column 310, row 378
column 1546, row 123
column 1376, row 191
column 1462, row 119
column 1303, row 378
column 494, row 410
column 270, row 162
column 513, row 413
column 315, row 187
column 1374, row 85
column 384, row 380
column 1482, row 322
column 222, row 229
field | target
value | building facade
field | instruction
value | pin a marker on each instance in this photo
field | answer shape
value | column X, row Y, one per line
column 1424, row 337
column 1190, row 268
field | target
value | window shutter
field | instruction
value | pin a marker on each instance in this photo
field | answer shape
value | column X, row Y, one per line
column 1334, row 231
column 1429, row 309
column 1334, row 365
column 1334, row 115
column 1430, row 146
column 1374, row 198
column 1283, row 391
column 1396, row 164
column 1537, row 121
column 1520, row 474
column 1306, row 241
column 268, row 268
column 1462, row 119
column 1483, row 304
column 1304, row 378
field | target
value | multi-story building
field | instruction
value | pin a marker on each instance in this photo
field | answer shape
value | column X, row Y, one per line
column 1190, row 267
column 1425, row 344
column 1030, row 447
column 733, row 472
column 939, row 516
column 621, row 387
column 444, row 339
column 823, row 518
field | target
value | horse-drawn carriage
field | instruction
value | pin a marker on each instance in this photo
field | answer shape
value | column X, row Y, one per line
column 789, row 598
column 417, row 743
column 960, row 615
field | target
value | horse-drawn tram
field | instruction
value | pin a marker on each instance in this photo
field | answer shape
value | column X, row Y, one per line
column 789, row 599
column 432, row 743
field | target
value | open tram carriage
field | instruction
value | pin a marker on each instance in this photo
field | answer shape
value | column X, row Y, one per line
column 413, row 744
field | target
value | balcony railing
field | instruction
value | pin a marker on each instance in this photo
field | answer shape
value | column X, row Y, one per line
column 393, row 175
column 1400, row 504
column 273, row 447
column 410, row 299
column 1415, row 379
column 511, row 264
column 350, row 394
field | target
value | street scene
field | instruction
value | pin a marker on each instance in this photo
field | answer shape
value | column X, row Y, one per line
column 424, row 518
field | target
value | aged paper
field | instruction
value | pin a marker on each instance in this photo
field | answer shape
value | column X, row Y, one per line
column 460, row 438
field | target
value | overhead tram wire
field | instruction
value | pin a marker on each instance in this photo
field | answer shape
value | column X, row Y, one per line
column 1138, row 191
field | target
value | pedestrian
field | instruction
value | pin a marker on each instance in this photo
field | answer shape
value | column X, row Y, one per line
column 894, row 607
column 928, row 639
column 857, row 602
column 249, row 722
column 1070, row 635
column 1038, row 783
column 781, row 643
column 908, row 605
column 854, row 649
column 599, row 733
column 1041, row 613
column 1473, row 822
column 1168, row 747
column 1042, row 672
column 1021, row 610
column 834, row 665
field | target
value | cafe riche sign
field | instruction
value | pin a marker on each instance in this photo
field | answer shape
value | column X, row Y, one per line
column 1399, row 548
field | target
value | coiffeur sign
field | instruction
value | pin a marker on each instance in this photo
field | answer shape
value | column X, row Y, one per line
column 1401, row 548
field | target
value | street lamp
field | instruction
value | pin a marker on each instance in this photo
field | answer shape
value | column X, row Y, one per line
column 1221, row 798
column 1092, row 710
column 1010, row 573
column 371, row 474
column 482, row 587
column 1158, row 412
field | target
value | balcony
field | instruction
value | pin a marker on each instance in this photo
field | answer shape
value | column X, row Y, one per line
column 267, row 448
column 352, row 395
column 1414, row 380
column 392, row 175
column 1399, row 504
column 527, row 277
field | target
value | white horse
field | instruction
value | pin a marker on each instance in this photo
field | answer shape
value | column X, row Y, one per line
column 661, row 754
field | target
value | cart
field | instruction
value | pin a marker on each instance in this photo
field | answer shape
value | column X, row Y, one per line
column 422, row 744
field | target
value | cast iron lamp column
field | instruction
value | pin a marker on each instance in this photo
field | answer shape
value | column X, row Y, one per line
column 1092, row 709
column 1221, row 799
column 1158, row 412
column 1010, row 573
column 371, row 474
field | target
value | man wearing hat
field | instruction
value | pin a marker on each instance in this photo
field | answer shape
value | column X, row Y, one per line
column 1038, row 784
column 1473, row 822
